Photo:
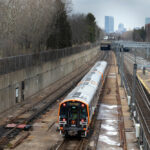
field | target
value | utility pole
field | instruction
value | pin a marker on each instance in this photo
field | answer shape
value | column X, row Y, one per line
column 147, row 53
column 117, row 53
column 122, row 66
column 119, row 62
column 134, row 83
column 135, row 56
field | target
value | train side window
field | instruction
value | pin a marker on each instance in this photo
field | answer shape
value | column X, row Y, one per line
column 63, row 112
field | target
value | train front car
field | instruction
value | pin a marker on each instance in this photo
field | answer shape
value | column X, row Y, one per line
column 73, row 118
column 77, row 109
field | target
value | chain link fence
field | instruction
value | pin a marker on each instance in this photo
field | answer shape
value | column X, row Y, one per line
column 14, row 63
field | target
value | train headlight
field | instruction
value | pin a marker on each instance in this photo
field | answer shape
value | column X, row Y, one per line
column 64, row 119
column 64, row 104
column 82, row 120
column 82, row 105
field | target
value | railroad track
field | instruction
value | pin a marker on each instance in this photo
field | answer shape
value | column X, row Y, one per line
column 97, row 123
column 30, row 114
column 74, row 143
column 142, row 103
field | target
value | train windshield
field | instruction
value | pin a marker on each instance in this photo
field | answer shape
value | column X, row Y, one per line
column 63, row 111
column 74, row 113
column 78, row 111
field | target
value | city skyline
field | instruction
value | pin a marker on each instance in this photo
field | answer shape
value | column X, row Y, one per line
column 130, row 12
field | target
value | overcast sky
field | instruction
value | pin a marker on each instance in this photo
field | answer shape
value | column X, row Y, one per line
column 131, row 13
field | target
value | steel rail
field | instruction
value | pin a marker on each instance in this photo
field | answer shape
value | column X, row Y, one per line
column 6, row 137
column 82, row 143
column 140, row 108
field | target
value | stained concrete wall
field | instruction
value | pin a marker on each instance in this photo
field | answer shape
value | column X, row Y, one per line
column 33, row 79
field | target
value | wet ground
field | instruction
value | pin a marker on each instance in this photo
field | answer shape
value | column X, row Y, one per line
column 109, row 136
column 45, row 135
column 116, row 131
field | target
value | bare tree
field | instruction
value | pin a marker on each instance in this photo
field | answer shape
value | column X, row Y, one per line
column 82, row 29
column 26, row 24
column 79, row 28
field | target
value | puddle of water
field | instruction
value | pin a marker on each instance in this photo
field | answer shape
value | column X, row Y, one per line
column 108, row 127
column 114, row 111
column 111, row 133
column 108, row 112
column 112, row 76
column 109, row 138
column 109, row 142
column 111, row 121
column 108, row 106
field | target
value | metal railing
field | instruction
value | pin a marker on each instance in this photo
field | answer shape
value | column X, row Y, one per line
column 140, row 104
column 14, row 63
column 132, row 44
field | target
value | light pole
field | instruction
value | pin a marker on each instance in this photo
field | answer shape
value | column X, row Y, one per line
column 122, row 65
column 134, row 82
column 147, row 53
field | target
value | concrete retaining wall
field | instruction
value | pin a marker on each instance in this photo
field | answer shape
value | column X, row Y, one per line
column 19, row 85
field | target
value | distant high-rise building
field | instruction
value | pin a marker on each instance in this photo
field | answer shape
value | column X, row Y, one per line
column 121, row 28
column 147, row 21
column 109, row 24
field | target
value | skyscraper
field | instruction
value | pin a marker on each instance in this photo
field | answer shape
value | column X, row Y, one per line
column 147, row 21
column 121, row 28
column 109, row 24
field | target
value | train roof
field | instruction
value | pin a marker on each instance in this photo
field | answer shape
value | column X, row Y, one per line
column 87, row 87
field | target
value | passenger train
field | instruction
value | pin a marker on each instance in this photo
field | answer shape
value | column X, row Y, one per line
column 77, row 109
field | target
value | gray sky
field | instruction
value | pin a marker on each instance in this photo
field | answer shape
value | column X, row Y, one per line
column 131, row 13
